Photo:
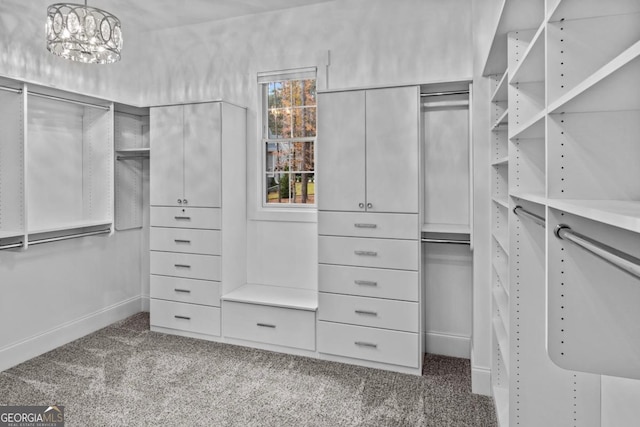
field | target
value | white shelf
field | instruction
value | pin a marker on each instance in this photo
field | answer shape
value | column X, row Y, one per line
column 502, row 121
column 501, row 266
column 623, row 214
column 70, row 226
column 133, row 150
column 514, row 15
column 502, row 161
column 532, row 129
column 531, row 66
column 502, row 302
column 538, row 198
column 500, row 94
column 580, row 9
column 10, row 234
column 502, row 240
column 446, row 228
column 503, row 341
column 501, row 202
column 611, row 88
column 275, row 296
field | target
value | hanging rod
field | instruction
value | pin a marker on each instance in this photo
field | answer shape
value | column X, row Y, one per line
column 133, row 156
column 519, row 210
column 455, row 242
column 72, row 101
column 622, row 260
column 452, row 92
column 11, row 246
column 70, row 236
column 10, row 89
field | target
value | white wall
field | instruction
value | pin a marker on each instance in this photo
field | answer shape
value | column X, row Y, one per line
column 372, row 42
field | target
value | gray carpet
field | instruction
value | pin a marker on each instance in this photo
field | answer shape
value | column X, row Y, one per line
column 125, row 375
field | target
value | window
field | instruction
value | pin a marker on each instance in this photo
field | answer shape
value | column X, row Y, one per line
column 288, row 137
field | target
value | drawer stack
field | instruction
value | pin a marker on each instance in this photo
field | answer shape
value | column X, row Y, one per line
column 185, row 269
column 369, row 287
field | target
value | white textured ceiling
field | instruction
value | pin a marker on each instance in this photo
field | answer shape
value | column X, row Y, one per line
column 147, row 15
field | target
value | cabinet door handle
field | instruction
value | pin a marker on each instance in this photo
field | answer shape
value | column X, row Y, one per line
column 366, row 253
column 179, row 201
column 184, row 201
column 365, row 344
column 360, row 225
column 182, row 265
column 183, row 291
column 182, row 317
column 368, row 313
column 181, row 241
column 369, row 205
column 183, row 218
column 365, row 283
column 361, row 205
column 266, row 325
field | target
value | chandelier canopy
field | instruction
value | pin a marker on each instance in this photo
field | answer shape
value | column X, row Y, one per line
column 84, row 34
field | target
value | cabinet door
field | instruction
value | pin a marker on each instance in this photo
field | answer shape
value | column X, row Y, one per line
column 202, row 166
column 341, row 151
column 392, row 152
column 165, row 167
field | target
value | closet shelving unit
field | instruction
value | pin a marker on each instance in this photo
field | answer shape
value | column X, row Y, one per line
column 56, row 169
column 561, row 315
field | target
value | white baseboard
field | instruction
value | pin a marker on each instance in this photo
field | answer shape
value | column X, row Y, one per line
column 481, row 381
column 448, row 345
column 31, row 347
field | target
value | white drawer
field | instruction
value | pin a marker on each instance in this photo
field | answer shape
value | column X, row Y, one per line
column 363, row 311
column 166, row 216
column 205, row 267
column 185, row 317
column 360, row 342
column 380, row 253
column 367, row 224
column 206, row 242
column 272, row 325
column 369, row 282
column 193, row 291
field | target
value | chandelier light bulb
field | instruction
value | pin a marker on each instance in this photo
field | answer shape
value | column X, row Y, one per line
column 82, row 33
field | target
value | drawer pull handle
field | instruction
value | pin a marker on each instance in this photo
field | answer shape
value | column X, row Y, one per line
column 366, row 344
column 181, row 241
column 182, row 317
column 183, row 291
column 360, row 225
column 368, row 313
column 183, row 218
column 365, row 283
column 266, row 325
column 182, row 266
column 366, row 253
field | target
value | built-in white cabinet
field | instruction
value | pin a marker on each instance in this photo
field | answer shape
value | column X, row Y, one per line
column 368, row 160
column 186, row 161
column 369, row 228
column 197, row 236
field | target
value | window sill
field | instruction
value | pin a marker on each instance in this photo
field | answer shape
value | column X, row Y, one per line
column 284, row 214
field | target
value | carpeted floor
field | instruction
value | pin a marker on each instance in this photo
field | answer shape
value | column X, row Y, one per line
column 125, row 375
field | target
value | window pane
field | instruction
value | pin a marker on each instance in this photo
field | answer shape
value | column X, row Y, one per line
column 304, row 122
column 304, row 188
column 279, row 123
column 280, row 187
column 303, row 156
column 309, row 92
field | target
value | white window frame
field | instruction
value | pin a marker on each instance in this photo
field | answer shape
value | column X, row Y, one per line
column 264, row 79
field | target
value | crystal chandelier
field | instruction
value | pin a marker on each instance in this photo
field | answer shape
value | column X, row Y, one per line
column 83, row 34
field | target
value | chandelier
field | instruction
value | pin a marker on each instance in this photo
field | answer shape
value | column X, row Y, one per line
column 84, row 34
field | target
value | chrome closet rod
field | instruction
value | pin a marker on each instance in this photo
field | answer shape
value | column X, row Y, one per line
column 615, row 257
column 455, row 242
column 520, row 211
column 67, row 237
column 139, row 156
column 11, row 246
column 10, row 89
column 72, row 101
column 452, row 92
